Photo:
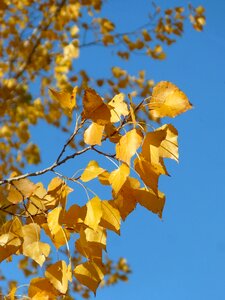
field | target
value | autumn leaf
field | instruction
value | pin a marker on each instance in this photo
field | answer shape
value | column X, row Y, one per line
column 57, row 193
column 94, row 213
column 110, row 216
column 168, row 101
column 74, row 217
column 91, row 243
column 65, row 99
column 20, row 190
column 58, row 276
column 169, row 146
column 151, row 145
column 118, row 108
column 32, row 247
column 104, row 178
column 54, row 229
column 126, row 201
column 94, row 108
column 41, row 288
column 93, row 134
column 91, row 171
column 118, row 177
column 128, row 145
column 149, row 200
column 11, row 238
column 89, row 274
column 149, row 173
column 89, row 250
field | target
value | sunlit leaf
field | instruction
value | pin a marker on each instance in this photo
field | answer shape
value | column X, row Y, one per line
column 93, row 134
column 149, row 200
column 91, row 171
column 32, row 247
column 168, row 101
column 57, row 275
column 41, row 289
column 94, row 213
column 118, row 177
column 89, row 274
column 118, row 108
column 94, row 108
column 110, row 216
column 65, row 99
column 128, row 145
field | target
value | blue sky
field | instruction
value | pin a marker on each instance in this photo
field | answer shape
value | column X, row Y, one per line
column 182, row 256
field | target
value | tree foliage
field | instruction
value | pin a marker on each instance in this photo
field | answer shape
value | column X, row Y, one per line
column 40, row 44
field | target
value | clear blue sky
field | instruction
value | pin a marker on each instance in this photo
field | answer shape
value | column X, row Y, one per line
column 182, row 256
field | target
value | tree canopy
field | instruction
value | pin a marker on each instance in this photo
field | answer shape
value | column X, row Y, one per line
column 117, row 118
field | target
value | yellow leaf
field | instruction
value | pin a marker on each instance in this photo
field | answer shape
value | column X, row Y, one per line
column 97, row 236
column 89, row 274
column 94, row 108
column 32, row 247
column 57, row 233
column 94, row 213
column 110, row 216
column 20, row 189
column 10, row 238
column 92, row 171
column 128, row 145
column 149, row 173
column 151, row 145
column 71, row 51
column 74, row 217
column 149, row 200
column 112, row 133
column 65, row 99
column 168, row 101
column 104, row 178
column 41, row 289
column 89, row 250
column 57, row 193
column 118, row 108
column 93, row 134
column 126, row 201
column 118, row 177
column 58, row 276
column 169, row 146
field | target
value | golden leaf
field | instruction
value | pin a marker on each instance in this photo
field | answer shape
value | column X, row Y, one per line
column 10, row 238
column 169, row 146
column 20, row 189
column 118, row 177
column 92, row 171
column 54, row 229
column 65, row 99
column 151, row 145
column 126, row 201
column 93, row 134
column 94, row 108
column 149, row 173
column 74, row 217
column 104, row 178
column 41, row 289
column 94, row 213
column 128, row 145
column 110, row 216
column 168, row 101
column 58, row 276
column 149, row 200
column 32, row 247
column 89, row 274
column 92, row 251
column 118, row 108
